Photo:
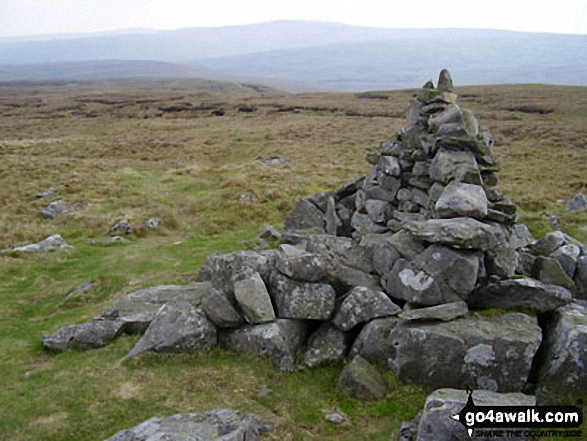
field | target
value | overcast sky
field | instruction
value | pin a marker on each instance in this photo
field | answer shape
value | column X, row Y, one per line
column 32, row 17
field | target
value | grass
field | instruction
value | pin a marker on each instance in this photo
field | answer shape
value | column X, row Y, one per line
column 113, row 147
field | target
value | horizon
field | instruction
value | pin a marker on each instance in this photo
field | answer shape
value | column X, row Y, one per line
column 68, row 18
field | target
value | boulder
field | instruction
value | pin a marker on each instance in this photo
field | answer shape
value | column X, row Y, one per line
column 489, row 353
column 327, row 345
column 278, row 341
column 299, row 264
column 563, row 374
column 437, row 424
column 464, row 233
column 445, row 83
column 220, row 310
column 549, row 243
column 567, row 256
column 121, row 228
column 91, row 335
column 361, row 305
column 373, row 342
column 301, row 300
column 460, row 200
column 213, row 425
column 549, row 271
column 444, row 313
column 252, row 296
column 361, row 380
column 304, row 215
column 578, row 203
column 520, row 293
column 176, row 327
column 55, row 242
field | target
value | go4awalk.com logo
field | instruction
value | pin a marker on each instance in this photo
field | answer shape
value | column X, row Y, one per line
column 520, row 421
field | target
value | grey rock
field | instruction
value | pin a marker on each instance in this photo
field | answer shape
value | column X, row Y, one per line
column 207, row 269
column 549, row 271
column 176, row 327
column 577, row 203
column 445, row 82
column 406, row 244
column 57, row 208
column 349, row 188
column 224, row 268
column 277, row 341
column 273, row 160
column 214, row 425
column 341, row 251
column 269, row 233
column 328, row 345
column 563, row 375
column 361, row 380
column 301, row 300
column 220, row 310
column 567, row 256
column 361, row 305
column 48, row 193
column 55, row 242
column 304, row 215
column 457, row 166
column 520, row 293
column 384, row 255
column 299, row 264
column 465, row 233
column 445, row 313
column 390, row 165
column 437, row 424
column 346, row 277
column 253, row 298
column 379, row 211
column 581, row 277
column 380, row 193
column 373, row 342
column 152, row 223
column 121, row 227
column 459, row 200
column 91, row 335
column 247, row 197
column 332, row 223
column 335, row 418
column 502, row 261
column 489, row 353
column 80, row 290
column 521, row 237
column 136, row 310
column 549, row 243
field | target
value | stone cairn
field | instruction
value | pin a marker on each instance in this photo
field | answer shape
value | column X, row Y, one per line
column 396, row 268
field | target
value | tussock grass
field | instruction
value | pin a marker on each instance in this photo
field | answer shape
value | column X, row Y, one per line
column 140, row 150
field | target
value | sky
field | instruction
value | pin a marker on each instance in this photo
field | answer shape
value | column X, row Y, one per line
column 42, row 17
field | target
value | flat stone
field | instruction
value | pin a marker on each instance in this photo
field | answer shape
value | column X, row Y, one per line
column 91, row 335
column 445, row 313
column 177, row 327
column 362, row 304
column 299, row 264
column 361, row 380
column 520, row 293
column 278, row 341
column 459, row 200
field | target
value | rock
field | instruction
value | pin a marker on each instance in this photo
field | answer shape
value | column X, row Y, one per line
column 335, row 418
column 214, row 425
column 450, row 166
column 327, row 345
column 379, row 211
column 247, row 197
column 220, row 310
column 406, row 244
column 57, row 208
column 459, row 200
column 80, row 290
column 206, row 270
column 49, row 193
column 299, row 264
column 581, row 277
column 549, row 243
column 521, row 237
column 269, row 233
column 273, row 160
column 489, row 353
column 445, row 313
column 549, row 271
column 253, row 298
column 567, row 256
column 121, row 227
column 176, row 327
column 563, row 374
column 436, row 423
column 361, row 380
column 373, row 342
column 304, row 215
column 520, row 293
column 92, row 335
column 301, row 300
column 265, row 392
column 384, row 256
column 136, row 310
column 332, row 223
column 502, row 261
column 436, row 276
column 578, row 203
column 361, row 305
column 277, row 341
column 55, row 242
column 152, row 223
column 464, row 233
column 390, row 166
column 225, row 266
column 445, row 83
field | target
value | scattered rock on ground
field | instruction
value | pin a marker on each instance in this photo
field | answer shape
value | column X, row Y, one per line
column 120, row 228
column 577, row 203
column 55, row 242
column 59, row 207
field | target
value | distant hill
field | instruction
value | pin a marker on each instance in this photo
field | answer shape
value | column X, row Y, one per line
column 298, row 55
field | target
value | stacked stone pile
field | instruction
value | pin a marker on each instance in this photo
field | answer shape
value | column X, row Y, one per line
column 405, row 267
